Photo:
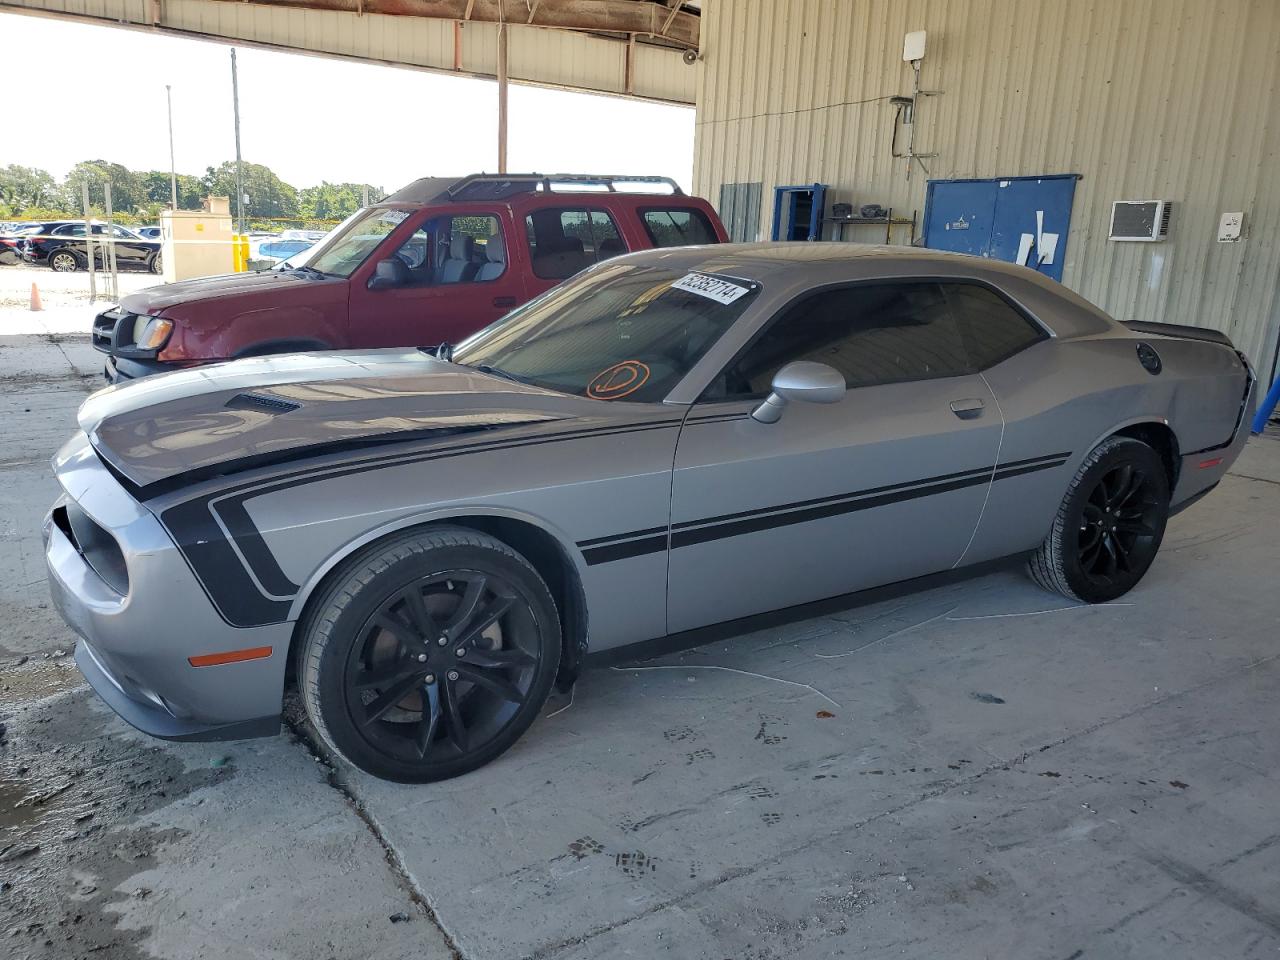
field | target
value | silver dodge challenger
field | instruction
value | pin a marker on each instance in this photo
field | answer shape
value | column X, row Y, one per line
column 667, row 446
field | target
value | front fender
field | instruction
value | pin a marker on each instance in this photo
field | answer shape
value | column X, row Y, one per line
column 455, row 513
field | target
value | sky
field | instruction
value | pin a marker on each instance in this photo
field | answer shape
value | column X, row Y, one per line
column 307, row 118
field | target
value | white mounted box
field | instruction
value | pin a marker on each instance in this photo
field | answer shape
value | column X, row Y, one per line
column 913, row 46
column 1230, row 227
column 1142, row 221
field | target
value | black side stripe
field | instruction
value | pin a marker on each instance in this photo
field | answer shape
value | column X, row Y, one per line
column 692, row 532
column 225, row 579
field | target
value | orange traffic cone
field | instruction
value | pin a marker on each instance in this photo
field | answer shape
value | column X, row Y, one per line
column 35, row 298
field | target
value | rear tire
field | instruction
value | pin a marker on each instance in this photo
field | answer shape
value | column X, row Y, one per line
column 387, row 694
column 156, row 264
column 61, row 261
column 1109, row 526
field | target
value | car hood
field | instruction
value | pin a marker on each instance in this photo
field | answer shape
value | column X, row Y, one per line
column 155, row 300
column 209, row 421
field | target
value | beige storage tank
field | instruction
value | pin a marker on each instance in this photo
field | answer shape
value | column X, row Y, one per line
column 197, row 243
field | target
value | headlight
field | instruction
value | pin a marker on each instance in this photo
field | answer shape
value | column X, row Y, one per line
column 154, row 333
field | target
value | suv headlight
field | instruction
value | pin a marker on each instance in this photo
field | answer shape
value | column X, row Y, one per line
column 154, row 333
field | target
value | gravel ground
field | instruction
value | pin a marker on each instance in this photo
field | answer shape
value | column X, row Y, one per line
column 57, row 289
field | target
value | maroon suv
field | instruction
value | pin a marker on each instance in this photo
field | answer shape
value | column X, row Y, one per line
column 430, row 264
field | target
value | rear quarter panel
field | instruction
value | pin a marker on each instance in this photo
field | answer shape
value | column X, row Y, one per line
column 1067, row 396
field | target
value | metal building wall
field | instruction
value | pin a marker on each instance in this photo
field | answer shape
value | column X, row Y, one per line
column 1146, row 99
column 554, row 58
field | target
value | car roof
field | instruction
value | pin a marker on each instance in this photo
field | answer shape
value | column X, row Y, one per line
column 482, row 186
column 791, row 269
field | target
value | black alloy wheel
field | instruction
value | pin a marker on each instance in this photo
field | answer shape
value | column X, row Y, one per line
column 429, row 655
column 442, row 666
column 1109, row 526
column 1120, row 524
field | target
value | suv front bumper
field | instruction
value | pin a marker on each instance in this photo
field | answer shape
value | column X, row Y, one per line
column 136, row 644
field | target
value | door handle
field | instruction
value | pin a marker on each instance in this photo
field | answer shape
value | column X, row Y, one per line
column 504, row 301
column 968, row 408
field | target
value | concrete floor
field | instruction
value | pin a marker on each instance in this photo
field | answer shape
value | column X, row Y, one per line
column 977, row 771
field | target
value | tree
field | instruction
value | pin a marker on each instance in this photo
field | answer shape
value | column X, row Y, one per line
column 127, row 193
column 155, row 185
column 22, row 187
column 334, row 201
column 268, row 195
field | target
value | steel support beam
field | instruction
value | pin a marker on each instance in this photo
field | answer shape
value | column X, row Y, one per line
column 643, row 17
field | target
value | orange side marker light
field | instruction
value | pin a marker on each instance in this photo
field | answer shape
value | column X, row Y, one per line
column 231, row 656
column 1206, row 464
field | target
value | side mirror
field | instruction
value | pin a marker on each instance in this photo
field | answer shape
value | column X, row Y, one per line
column 388, row 273
column 804, row 382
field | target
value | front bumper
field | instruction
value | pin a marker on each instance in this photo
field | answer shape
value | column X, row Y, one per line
column 123, row 369
column 136, row 644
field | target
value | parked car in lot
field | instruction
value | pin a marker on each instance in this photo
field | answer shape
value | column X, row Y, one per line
column 432, row 263
column 14, row 233
column 667, row 444
column 65, row 248
column 147, row 233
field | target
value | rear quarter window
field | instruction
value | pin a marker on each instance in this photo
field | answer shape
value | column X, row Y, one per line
column 677, row 226
column 992, row 328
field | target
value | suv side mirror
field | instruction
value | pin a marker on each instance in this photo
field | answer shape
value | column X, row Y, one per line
column 389, row 273
column 804, row 382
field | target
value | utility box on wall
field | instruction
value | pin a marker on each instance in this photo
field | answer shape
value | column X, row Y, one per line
column 197, row 243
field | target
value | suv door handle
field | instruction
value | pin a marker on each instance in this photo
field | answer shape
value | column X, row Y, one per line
column 968, row 408
column 504, row 301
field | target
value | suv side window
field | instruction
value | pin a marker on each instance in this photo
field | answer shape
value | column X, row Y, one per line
column 564, row 241
column 677, row 227
column 872, row 333
column 446, row 250
column 992, row 328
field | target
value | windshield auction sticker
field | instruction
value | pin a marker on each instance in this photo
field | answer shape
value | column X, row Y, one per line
column 618, row 381
column 713, row 288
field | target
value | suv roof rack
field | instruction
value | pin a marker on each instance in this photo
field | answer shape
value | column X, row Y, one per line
column 495, row 185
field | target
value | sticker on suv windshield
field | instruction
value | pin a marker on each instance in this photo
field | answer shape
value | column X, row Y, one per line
column 713, row 288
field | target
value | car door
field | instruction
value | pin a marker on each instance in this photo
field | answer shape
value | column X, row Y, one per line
column 885, row 485
column 131, row 250
column 455, row 276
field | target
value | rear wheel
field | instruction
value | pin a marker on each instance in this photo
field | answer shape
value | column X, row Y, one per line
column 429, row 655
column 60, row 261
column 1109, row 526
column 156, row 264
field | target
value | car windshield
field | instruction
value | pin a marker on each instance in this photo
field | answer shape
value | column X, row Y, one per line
column 620, row 331
column 349, row 244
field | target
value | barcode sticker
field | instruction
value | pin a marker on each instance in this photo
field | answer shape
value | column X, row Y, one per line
column 713, row 288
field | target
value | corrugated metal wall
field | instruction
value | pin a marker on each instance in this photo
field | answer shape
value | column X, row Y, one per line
column 558, row 58
column 1146, row 99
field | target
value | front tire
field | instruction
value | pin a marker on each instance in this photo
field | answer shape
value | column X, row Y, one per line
column 1109, row 526
column 60, row 261
column 156, row 264
column 429, row 654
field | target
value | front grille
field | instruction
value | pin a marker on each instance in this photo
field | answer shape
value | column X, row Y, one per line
column 104, row 329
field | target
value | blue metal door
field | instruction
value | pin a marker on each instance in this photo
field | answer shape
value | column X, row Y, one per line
column 959, row 215
column 1018, row 219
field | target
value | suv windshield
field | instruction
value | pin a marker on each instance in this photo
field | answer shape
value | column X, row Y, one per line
column 351, row 242
column 621, row 331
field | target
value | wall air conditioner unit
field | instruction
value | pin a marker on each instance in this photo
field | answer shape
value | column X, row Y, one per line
column 1145, row 221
